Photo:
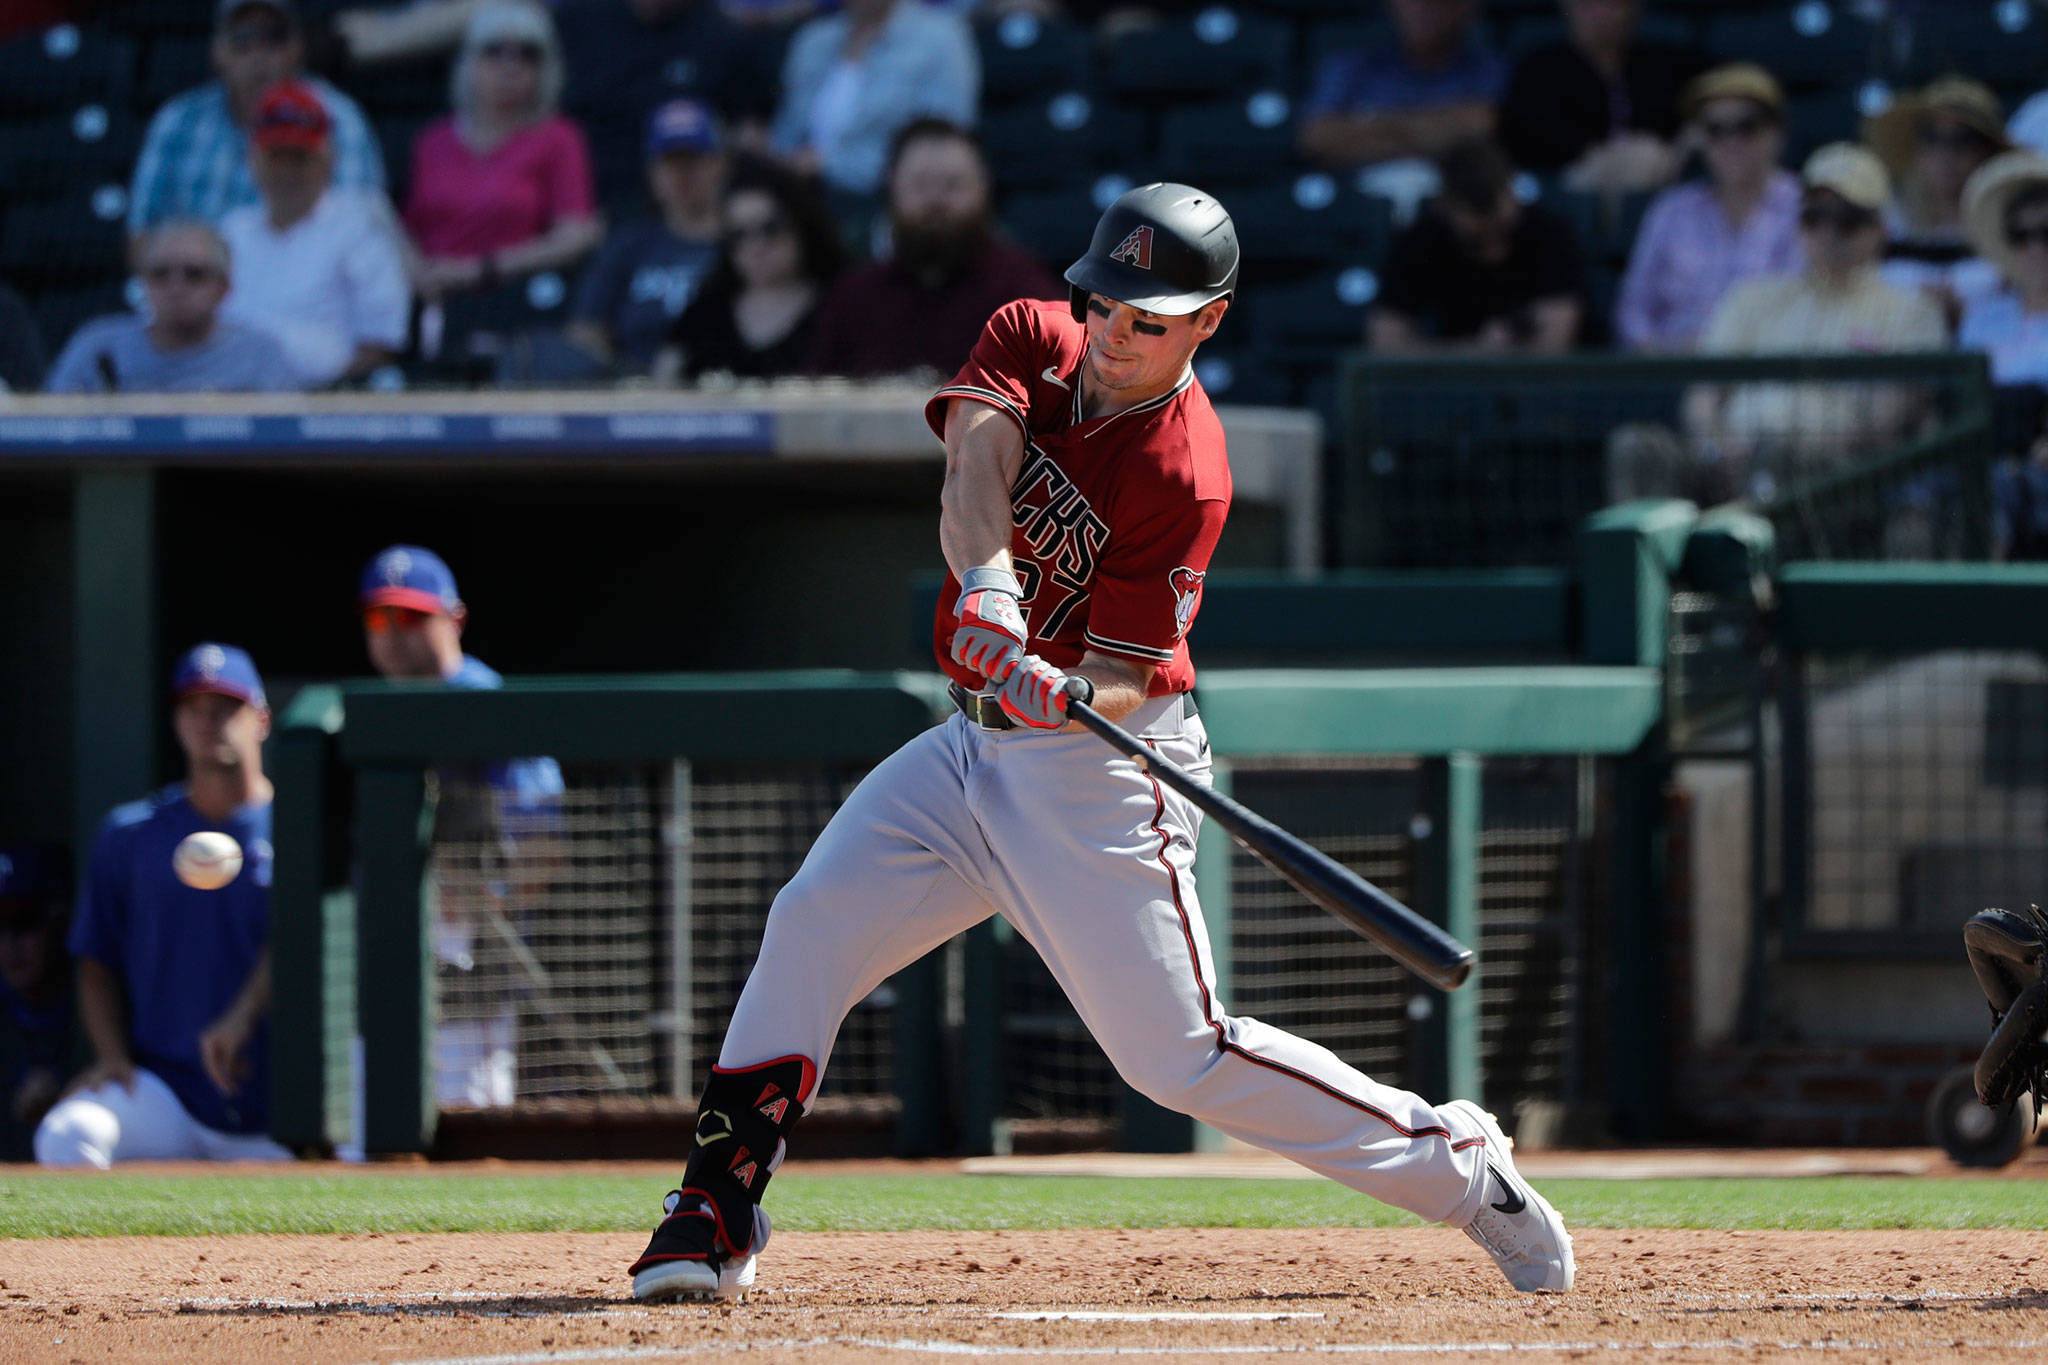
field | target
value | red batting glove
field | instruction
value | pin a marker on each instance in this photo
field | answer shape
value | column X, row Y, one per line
column 1034, row 694
column 991, row 631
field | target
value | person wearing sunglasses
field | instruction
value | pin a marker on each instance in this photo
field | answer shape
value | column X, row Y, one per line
column 1932, row 142
column 183, row 344
column 2005, row 211
column 502, row 187
column 756, row 315
column 496, row 826
column 195, row 157
column 1739, row 220
column 1757, row 436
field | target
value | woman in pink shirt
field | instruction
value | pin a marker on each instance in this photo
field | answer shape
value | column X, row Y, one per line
column 503, row 186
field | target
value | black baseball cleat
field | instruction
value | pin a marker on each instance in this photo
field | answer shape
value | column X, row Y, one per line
column 688, row 1261
column 1516, row 1225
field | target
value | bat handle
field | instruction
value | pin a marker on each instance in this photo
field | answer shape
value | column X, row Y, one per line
column 1079, row 689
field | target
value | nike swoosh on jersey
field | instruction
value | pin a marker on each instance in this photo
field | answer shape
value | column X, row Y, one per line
column 1049, row 373
column 1514, row 1203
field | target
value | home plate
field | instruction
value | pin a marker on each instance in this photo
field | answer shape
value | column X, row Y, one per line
column 1102, row 1315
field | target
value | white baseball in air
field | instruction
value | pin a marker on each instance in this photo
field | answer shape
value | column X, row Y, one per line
column 207, row 860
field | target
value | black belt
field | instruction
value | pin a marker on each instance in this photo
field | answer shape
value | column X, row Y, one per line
column 988, row 713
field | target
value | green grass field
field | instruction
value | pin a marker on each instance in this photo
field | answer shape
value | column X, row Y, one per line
column 112, row 1204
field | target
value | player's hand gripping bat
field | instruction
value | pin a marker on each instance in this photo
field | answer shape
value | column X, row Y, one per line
column 1407, row 937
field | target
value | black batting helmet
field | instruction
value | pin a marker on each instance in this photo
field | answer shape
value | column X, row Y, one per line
column 1164, row 248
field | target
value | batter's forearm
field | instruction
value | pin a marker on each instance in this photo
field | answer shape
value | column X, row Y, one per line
column 102, row 1011
column 1120, row 685
column 984, row 451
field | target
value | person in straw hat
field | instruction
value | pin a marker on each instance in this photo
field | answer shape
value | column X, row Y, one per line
column 2005, row 212
column 1702, row 238
column 1763, row 433
column 1931, row 142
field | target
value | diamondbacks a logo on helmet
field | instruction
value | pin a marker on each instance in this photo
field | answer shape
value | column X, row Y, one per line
column 1135, row 249
column 1187, row 595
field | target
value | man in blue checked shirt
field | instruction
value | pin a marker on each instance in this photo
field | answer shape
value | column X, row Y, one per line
column 195, row 159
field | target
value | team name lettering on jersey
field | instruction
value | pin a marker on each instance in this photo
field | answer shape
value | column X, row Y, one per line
column 1065, row 537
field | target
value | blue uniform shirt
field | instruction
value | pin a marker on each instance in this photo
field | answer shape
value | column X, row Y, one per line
column 181, row 955
column 526, row 787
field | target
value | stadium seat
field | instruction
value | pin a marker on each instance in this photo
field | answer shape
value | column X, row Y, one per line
column 1248, row 137
column 51, row 70
column 1312, row 218
column 147, row 18
column 1311, row 321
column 1216, row 51
column 1023, row 55
column 1053, row 225
column 483, row 323
column 2000, row 42
column 1807, row 43
column 1047, row 141
column 81, row 236
column 43, row 158
column 174, row 64
column 60, row 312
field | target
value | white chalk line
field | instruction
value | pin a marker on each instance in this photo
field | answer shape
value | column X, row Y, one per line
column 1423, row 1348
column 1110, row 1315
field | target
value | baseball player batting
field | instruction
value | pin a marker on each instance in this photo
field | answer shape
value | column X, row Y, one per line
column 1086, row 486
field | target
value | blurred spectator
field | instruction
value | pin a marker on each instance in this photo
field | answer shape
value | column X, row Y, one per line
column 413, row 620
column 1434, row 86
column 38, row 1046
column 1753, row 437
column 183, row 345
column 1598, row 106
column 316, row 267
column 1700, row 239
column 2005, row 209
column 754, row 317
column 947, row 270
column 502, row 186
column 1479, row 270
column 174, row 981
column 650, row 269
column 1932, row 142
column 21, row 344
column 403, row 32
column 853, row 78
column 627, row 57
column 195, row 159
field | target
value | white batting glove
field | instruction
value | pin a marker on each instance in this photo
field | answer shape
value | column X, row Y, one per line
column 1034, row 694
column 991, row 632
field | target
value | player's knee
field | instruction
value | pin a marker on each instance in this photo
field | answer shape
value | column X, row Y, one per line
column 1173, row 1073
column 77, row 1133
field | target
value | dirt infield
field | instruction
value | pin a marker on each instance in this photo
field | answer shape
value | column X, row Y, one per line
column 1423, row 1294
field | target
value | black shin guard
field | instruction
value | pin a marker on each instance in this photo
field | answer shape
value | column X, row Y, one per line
column 742, row 1120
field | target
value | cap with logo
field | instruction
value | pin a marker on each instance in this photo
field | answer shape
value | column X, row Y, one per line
column 218, row 668
column 1165, row 248
column 290, row 115
column 683, row 126
column 409, row 576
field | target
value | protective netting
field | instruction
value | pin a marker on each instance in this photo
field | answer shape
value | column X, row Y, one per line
column 558, row 932
column 1928, row 793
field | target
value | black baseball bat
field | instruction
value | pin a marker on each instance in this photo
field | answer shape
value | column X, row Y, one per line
column 1408, row 938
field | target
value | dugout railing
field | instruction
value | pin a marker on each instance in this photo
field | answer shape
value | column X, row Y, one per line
column 1443, row 769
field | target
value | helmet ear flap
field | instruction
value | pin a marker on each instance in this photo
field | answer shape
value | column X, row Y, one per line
column 1077, row 298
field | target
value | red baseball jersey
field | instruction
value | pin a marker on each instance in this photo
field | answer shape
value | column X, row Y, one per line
column 1115, row 516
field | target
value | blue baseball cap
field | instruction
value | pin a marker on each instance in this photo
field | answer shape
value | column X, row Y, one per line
column 409, row 576
column 218, row 668
column 683, row 126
